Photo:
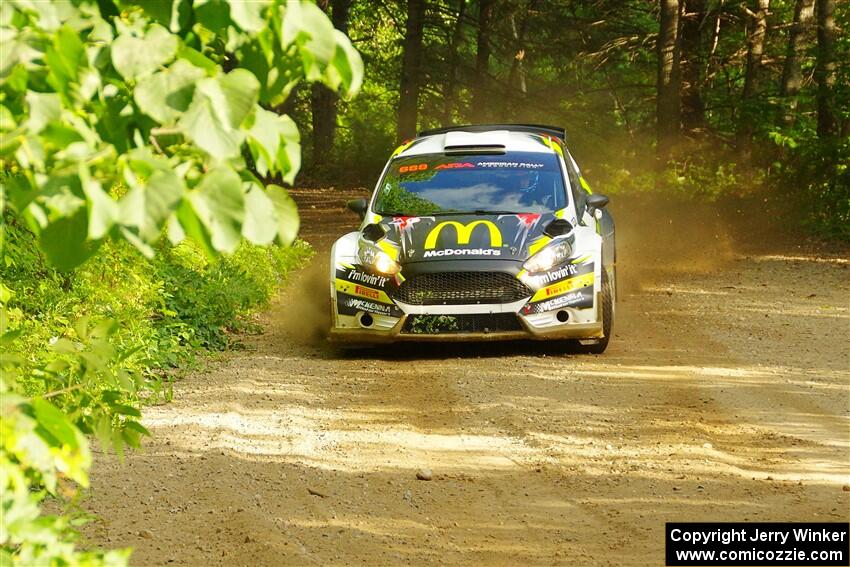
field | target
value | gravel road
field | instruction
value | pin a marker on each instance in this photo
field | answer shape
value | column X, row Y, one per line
column 724, row 395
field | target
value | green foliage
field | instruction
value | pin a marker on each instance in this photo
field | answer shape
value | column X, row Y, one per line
column 83, row 353
column 434, row 324
column 816, row 177
column 592, row 68
column 704, row 179
column 95, row 94
column 122, row 124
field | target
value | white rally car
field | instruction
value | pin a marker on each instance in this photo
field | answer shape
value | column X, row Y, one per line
column 477, row 233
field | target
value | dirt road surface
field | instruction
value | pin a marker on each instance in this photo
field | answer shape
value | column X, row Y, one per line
column 724, row 395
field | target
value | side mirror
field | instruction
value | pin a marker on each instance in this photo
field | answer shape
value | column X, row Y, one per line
column 596, row 201
column 359, row 206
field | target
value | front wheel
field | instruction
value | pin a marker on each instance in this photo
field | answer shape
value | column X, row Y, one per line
column 600, row 345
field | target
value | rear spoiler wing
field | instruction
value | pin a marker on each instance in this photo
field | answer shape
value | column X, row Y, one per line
column 557, row 132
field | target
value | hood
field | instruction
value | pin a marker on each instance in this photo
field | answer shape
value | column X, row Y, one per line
column 467, row 236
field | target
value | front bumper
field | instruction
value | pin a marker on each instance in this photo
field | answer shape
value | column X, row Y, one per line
column 539, row 326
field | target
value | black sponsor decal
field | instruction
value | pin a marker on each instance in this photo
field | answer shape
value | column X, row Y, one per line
column 351, row 305
column 578, row 299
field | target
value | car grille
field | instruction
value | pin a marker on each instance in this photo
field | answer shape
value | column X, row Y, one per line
column 458, row 288
column 469, row 323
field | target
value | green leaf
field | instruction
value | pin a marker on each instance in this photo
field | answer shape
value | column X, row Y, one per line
column 54, row 422
column 125, row 410
column 137, row 427
column 289, row 153
column 173, row 14
column 147, row 208
column 248, row 15
column 260, row 226
column 64, row 241
column 197, row 59
column 212, row 14
column 5, row 293
column 43, row 108
column 220, row 205
column 204, row 127
column 220, row 105
column 287, row 214
column 345, row 71
column 273, row 141
column 103, row 210
column 63, row 58
column 192, row 226
column 234, row 95
column 307, row 25
column 165, row 95
column 135, row 57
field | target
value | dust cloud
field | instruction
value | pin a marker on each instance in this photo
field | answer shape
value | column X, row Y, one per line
column 656, row 238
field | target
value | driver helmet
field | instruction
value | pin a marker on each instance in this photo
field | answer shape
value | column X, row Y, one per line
column 528, row 180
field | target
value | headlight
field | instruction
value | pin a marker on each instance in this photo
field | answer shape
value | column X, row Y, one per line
column 552, row 255
column 372, row 256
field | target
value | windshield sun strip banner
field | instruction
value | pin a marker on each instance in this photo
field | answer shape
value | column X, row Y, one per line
column 360, row 290
column 563, row 287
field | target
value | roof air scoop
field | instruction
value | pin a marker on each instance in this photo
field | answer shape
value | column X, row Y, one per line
column 457, row 143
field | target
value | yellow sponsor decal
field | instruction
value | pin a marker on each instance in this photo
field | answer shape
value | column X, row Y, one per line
column 538, row 244
column 352, row 288
column 563, row 287
column 464, row 233
column 585, row 185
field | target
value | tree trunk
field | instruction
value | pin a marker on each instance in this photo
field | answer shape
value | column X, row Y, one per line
column 792, row 74
column 825, row 70
column 480, row 95
column 451, row 77
column 668, row 101
column 755, row 50
column 517, row 88
column 408, row 103
column 323, row 100
column 693, row 107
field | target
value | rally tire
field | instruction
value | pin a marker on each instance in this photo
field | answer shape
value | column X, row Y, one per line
column 607, row 316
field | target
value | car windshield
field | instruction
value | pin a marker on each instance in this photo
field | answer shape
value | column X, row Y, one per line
column 515, row 182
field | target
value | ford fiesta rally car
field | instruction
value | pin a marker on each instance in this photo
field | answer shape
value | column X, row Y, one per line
column 482, row 232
